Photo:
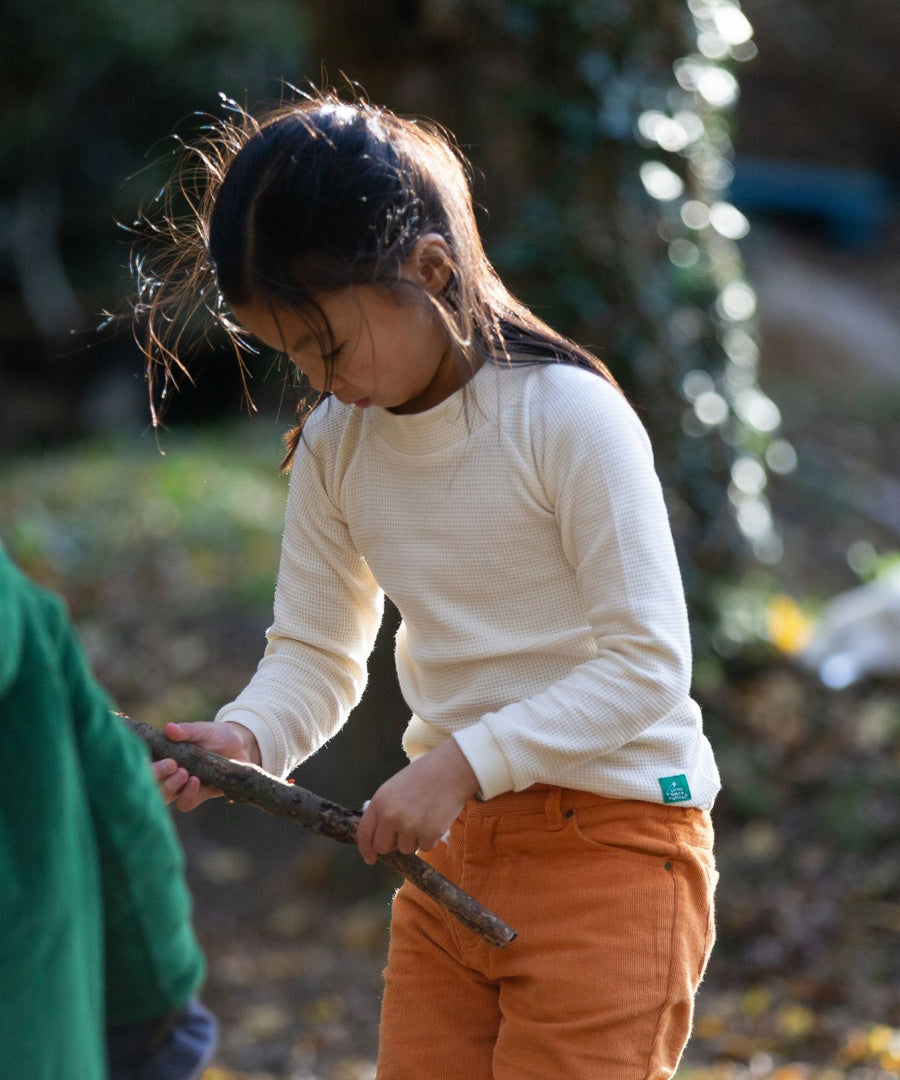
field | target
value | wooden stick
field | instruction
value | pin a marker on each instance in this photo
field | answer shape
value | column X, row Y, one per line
column 245, row 783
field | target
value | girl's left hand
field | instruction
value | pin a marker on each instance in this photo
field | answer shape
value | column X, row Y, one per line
column 414, row 809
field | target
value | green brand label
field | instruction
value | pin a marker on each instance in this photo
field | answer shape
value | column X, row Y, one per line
column 675, row 788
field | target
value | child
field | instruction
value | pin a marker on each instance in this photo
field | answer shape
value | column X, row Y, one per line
column 488, row 475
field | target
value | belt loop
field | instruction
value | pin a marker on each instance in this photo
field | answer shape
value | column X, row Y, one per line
column 553, row 809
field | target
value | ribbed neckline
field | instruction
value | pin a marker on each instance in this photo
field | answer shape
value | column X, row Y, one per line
column 450, row 421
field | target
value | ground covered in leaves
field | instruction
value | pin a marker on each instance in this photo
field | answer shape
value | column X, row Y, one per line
column 168, row 563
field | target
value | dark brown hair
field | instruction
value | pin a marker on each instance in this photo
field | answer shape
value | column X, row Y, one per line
column 319, row 195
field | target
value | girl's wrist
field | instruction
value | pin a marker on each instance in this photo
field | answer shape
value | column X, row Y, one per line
column 248, row 742
column 461, row 773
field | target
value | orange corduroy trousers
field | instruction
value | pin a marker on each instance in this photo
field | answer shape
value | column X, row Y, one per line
column 613, row 904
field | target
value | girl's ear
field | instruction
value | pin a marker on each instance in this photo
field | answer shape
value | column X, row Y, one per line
column 429, row 264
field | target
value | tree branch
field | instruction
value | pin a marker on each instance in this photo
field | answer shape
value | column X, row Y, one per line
column 245, row 783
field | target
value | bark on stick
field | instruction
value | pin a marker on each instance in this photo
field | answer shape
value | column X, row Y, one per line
column 245, row 783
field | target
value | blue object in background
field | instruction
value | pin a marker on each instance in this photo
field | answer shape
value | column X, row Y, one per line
column 853, row 204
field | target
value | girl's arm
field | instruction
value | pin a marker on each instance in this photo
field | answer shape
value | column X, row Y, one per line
column 327, row 611
column 328, row 608
column 594, row 462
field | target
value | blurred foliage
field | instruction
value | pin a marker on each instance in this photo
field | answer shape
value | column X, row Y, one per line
column 91, row 90
column 167, row 562
column 601, row 135
column 602, row 132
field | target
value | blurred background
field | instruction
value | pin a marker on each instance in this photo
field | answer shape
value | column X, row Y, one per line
column 708, row 193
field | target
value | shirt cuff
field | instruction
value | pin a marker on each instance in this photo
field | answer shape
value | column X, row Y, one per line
column 488, row 763
column 265, row 738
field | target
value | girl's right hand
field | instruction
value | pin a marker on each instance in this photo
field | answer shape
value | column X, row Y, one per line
column 230, row 740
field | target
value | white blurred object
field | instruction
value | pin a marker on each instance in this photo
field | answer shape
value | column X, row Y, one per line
column 858, row 634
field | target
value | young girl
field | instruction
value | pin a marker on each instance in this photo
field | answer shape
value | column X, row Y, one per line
column 488, row 475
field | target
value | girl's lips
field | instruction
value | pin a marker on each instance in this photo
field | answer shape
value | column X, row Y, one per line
column 363, row 403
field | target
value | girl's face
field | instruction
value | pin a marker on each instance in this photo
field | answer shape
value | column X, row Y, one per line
column 388, row 350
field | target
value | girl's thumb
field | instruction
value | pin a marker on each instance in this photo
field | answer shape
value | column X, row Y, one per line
column 185, row 732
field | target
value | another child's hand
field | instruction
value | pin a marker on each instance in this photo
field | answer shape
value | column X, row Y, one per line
column 414, row 809
column 230, row 740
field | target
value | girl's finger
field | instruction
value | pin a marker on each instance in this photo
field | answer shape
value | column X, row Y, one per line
column 163, row 769
column 186, row 732
column 407, row 844
column 190, row 797
column 385, row 840
column 364, row 837
column 172, row 787
column 365, row 849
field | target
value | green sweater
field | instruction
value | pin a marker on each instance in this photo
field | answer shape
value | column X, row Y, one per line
column 94, row 912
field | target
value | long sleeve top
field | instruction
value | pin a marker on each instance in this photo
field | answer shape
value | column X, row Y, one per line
column 520, row 529
column 93, row 902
